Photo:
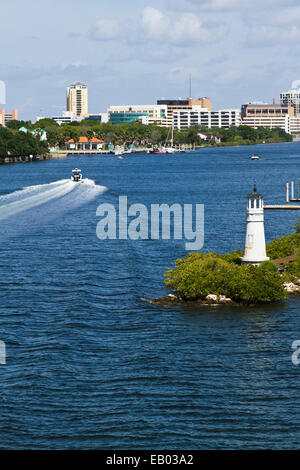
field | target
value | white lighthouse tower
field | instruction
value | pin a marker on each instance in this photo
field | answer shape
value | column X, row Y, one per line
column 255, row 244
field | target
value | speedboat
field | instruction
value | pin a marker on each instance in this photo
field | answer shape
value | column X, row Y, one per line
column 255, row 157
column 119, row 151
column 170, row 150
column 76, row 175
column 158, row 151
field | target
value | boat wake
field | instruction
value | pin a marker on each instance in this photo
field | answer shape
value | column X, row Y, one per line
column 46, row 202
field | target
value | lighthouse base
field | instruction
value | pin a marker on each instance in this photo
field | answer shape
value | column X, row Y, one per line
column 254, row 262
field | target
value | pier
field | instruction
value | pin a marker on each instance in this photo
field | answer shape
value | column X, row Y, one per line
column 282, row 207
column 290, row 197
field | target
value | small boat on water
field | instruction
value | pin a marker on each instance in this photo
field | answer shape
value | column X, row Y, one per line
column 158, row 151
column 76, row 175
column 255, row 157
column 118, row 151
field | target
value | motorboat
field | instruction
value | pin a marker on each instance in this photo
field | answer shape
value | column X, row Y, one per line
column 171, row 150
column 118, row 151
column 158, row 151
column 76, row 175
column 255, row 157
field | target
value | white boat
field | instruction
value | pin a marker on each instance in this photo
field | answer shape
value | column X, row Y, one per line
column 76, row 175
column 119, row 151
column 170, row 148
column 255, row 157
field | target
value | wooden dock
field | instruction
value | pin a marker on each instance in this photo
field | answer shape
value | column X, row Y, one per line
column 283, row 208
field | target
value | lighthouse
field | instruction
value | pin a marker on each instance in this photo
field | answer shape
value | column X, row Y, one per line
column 255, row 243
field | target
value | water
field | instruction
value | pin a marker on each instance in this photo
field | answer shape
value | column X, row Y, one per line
column 90, row 365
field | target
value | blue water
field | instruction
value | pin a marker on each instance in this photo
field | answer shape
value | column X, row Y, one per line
column 90, row 365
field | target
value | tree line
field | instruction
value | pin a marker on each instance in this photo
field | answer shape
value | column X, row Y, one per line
column 126, row 134
column 16, row 143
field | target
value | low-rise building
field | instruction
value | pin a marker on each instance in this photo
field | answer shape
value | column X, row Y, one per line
column 178, row 105
column 38, row 132
column 84, row 143
column 156, row 114
column 65, row 118
column 101, row 118
column 267, row 115
column 293, row 125
column 185, row 118
column 128, row 117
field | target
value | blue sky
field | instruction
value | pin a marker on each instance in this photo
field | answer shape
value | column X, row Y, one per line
column 137, row 51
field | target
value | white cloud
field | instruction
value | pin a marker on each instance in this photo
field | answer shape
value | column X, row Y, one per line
column 106, row 29
column 185, row 29
column 189, row 28
column 157, row 26
column 155, row 23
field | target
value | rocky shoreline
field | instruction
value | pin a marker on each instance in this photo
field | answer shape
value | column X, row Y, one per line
column 213, row 299
column 210, row 299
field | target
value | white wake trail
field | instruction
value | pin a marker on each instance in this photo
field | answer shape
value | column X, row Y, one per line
column 27, row 201
column 55, row 198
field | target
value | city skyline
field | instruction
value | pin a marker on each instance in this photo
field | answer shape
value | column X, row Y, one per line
column 145, row 51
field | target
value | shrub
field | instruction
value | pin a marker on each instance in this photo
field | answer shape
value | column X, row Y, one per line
column 268, row 266
column 285, row 246
column 297, row 225
column 198, row 275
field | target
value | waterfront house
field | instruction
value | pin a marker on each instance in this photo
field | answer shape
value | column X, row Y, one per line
column 84, row 143
column 39, row 132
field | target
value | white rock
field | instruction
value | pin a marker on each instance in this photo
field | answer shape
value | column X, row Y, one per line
column 224, row 299
column 291, row 287
column 212, row 297
column 218, row 298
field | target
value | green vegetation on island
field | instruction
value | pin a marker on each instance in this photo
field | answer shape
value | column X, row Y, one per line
column 200, row 274
column 151, row 135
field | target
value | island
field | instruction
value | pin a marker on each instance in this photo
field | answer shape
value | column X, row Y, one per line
column 212, row 278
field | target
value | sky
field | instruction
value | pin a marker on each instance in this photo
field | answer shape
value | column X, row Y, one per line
column 138, row 51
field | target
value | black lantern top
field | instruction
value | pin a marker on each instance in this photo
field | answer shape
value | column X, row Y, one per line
column 254, row 194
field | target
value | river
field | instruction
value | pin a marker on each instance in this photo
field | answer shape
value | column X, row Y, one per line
column 89, row 363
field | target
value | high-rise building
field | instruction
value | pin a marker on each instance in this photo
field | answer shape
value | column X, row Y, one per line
column 291, row 98
column 2, row 117
column 5, row 117
column 77, row 99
